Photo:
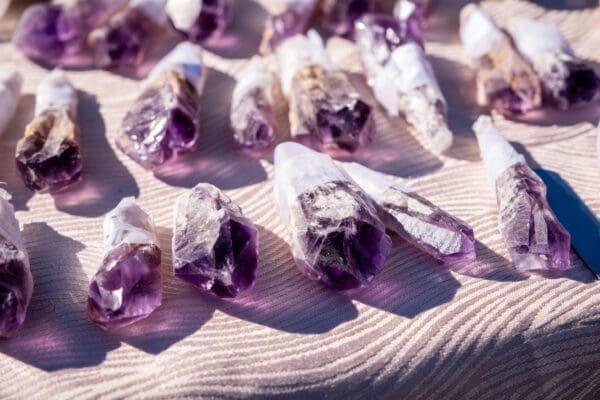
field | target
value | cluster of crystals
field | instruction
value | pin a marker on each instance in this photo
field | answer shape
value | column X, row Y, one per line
column 56, row 33
column 48, row 157
column 534, row 237
column 340, row 15
column 199, row 20
column 11, row 82
column 215, row 248
column 401, row 77
column 336, row 234
column 566, row 80
column 505, row 81
column 415, row 219
column 16, row 282
column 252, row 106
column 128, row 285
column 128, row 34
column 325, row 110
column 292, row 21
column 164, row 120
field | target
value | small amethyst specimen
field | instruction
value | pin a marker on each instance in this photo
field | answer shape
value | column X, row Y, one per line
column 340, row 15
column 534, row 237
column 567, row 80
column 164, row 119
column 414, row 218
column 48, row 157
column 336, row 234
column 56, row 33
column 16, row 282
column 128, row 285
column 325, row 110
column 128, row 34
column 199, row 20
column 215, row 247
column 294, row 20
column 505, row 81
column 252, row 106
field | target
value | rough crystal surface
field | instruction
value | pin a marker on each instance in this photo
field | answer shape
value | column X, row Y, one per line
column 292, row 21
column 199, row 20
column 16, row 282
column 336, row 235
column 505, row 81
column 163, row 121
column 11, row 82
column 215, row 247
column 128, row 285
column 414, row 218
column 252, row 106
column 533, row 236
column 56, row 32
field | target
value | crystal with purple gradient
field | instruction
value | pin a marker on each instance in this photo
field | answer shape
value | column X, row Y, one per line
column 336, row 235
column 292, row 21
column 16, row 282
column 215, row 247
column 199, row 20
column 415, row 219
column 128, row 285
column 56, row 33
column 163, row 121
column 340, row 15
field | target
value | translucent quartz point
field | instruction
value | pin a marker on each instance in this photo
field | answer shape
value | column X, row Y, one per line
column 128, row 285
column 48, row 156
column 16, row 282
column 414, row 218
column 505, row 81
column 567, row 80
column 199, row 20
column 11, row 82
column 336, row 235
column 215, row 247
column 534, row 237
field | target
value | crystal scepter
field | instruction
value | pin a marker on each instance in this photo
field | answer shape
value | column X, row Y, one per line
column 534, row 237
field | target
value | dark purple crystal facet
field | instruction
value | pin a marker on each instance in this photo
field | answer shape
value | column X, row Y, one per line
column 199, row 20
column 340, row 15
column 215, row 248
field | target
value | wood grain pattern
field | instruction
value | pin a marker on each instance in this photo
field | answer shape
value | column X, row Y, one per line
column 420, row 331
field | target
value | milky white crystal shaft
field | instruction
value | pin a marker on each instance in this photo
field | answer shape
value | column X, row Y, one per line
column 11, row 82
column 56, row 92
column 479, row 33
column 185, row 58
column 129, row 224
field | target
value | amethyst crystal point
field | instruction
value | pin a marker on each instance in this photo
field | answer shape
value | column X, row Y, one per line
column 56, row 33
column 48, row 156
column 566, row 79
column 199, row 20
column 164, row 119
column 215, row 248
column 340, row 15
column 10, row 91
column 292, row 21
column 505, row 81
column 336, row 235
column 325, row 110
column 16, row 283
column 414, row 218
column 252, row 106
column 128, row 34
column 534, row 237
column 128, row 285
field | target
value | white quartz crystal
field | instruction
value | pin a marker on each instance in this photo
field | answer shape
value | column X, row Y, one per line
column 537, row 38
column 183, row 13
column 479, row 32
column 255, row 76
column 128, row 223
column 9, row 226
column 11, row 82
column 186, row 58
column 56, row 92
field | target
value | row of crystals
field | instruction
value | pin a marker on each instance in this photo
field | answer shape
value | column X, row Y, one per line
column 337, row 215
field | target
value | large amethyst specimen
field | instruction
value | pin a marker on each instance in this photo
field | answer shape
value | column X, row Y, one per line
column 415, row 219
column 164, row 120
column 199, row 20
column 48, row 157
column 128, row 285
column 533, row 236
column 293, row 20
column 325, row 110
column 340, row 15
column 55, row 33
column 252, row 106
column 16, row 282
column 567, row 80
column 336, row 236
column 505, row 81
column 215, row 247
